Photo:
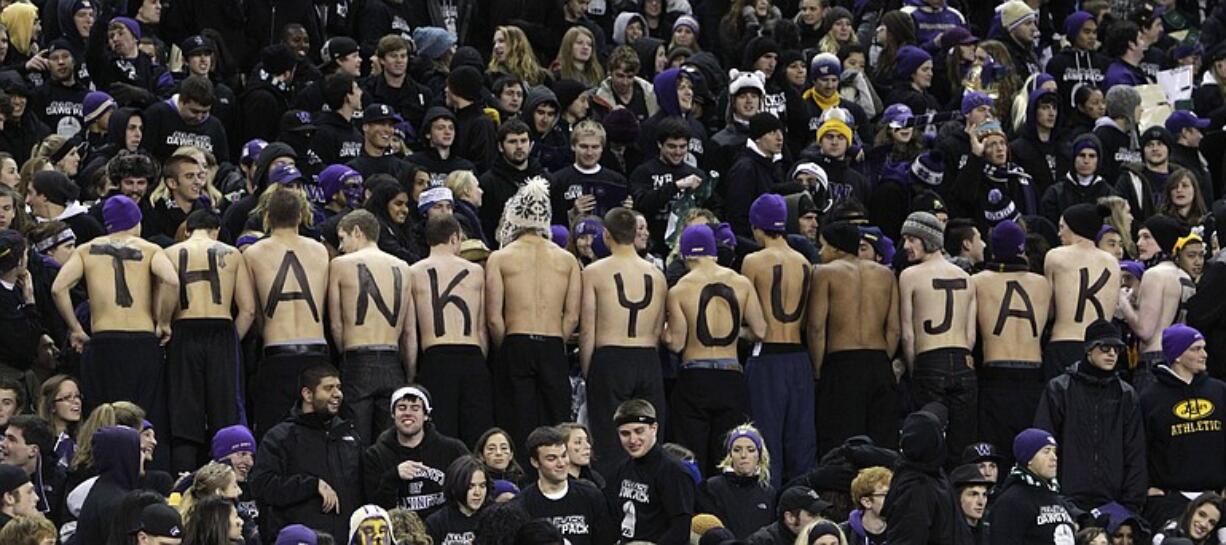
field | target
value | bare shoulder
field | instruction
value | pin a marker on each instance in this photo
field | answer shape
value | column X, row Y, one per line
column 473, row 269
column 315, row 247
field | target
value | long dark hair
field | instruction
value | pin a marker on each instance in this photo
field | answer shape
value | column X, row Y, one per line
column 1185, row 520
column 208, row 522
column 460, row 477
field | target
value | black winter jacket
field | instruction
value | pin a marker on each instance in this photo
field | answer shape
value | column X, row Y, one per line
column 293, row 457
column 920, row 507
column 744, row 504
column 752, row 175
column 1207, row 313
column 1096, row 419
column 1068, row 192
column 500, row 183
column 423, row 494
column 1027, row 511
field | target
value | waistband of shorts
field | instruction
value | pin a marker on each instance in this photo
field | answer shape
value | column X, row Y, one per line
column 122, row 335
column 626, row 349
column 296, row 349
column 780, row 348
column 203, row 322
column 533, row 338
column 715, row 364
column 952, row 351
column 371, row 349
column 1016, row 365
column 453, row 349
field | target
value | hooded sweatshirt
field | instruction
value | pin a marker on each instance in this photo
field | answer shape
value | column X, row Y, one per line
column 552, row 149
column 1184, row 435
column 665, row 87
column 165, row 131
column 422, row 494
column 117, row 457
column 1072, row 66
column 920, row 508
column 1041, row 158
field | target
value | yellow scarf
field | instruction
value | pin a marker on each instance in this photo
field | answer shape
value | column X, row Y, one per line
column 19, row 18
column 823, row 103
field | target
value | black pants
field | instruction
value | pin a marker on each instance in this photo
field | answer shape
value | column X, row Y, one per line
column 706, row 404
column 461, row 391
column 202, row 369
column 1009, row 395
column 1143, row 375
column 945, row 375
column 538, row 378
column 368, row 378
column 276, row 381
column 857, row 395
column 128, row 366
column 1058, row 356
column 618, row 374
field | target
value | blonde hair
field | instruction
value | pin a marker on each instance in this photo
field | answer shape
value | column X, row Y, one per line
column 121, row 413
column 1116, row 220
column 19, row 17
column 208, row 481
column 592, row 73
column 587, row 127
column 461, row 183
column 308, row 217
column 867, row 482
column 764, row 457
column 27, row 531
column 408, row 529
column 521, row 61
column 207, row 161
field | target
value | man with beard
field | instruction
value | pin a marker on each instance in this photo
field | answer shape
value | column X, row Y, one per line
column 58, row 101
column 184, row 120
column 406, row 467
column 307, row 467
column 371, row 316
column 1163, row 295
column 291, row 308
column 1085, row 282
column 130, row 174
column 377, row 123
column 512, row 167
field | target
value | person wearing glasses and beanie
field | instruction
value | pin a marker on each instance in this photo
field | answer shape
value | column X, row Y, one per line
column 1097, row 416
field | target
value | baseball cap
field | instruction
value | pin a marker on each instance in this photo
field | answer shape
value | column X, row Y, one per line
column 379, row 112
column 1184, row 119
column 802, row 497
column 197, row 44
column 159, row 520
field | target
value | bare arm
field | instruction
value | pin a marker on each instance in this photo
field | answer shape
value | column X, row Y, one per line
column 819, row 306
column 892, row 328
column 906, row 326
column 574, row 294
column 674, row 335
column 244, row 298
column 483, row 336
column 166, row 293
column 753, row 312
column 587, row 325
column 408, row 328
column 659, row 287
column 972, row 317
column 1144, row 321
column 494, row 300
column 68, row 277
column 336, row 318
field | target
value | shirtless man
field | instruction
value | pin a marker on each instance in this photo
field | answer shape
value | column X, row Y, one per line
column 449, row 293
column 779, row 373
column 1013, row 306
column 853, row 334
column 937, row 313
column 370, row 310
column 1085, row 282
column 202, row 357
column 532, row 292
column 1164, row 293
column 132, row 289
column 706, row 310
column 291, row 275
column 619, row 330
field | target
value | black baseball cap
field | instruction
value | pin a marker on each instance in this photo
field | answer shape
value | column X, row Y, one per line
column 197, row 44
column 802, row 497
column 979, row 452
column 969, row 475
column 159, row 520
column 380, row 112
column 296, row 121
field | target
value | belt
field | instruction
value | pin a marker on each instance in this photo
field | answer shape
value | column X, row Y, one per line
column 717, row 365
column 296, row 350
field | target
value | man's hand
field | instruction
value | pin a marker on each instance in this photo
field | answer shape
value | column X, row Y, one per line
column 331, row 502
column 37, row 62
column 409, row 469
column 976, row 143
column 585, row 204
column 163, row 333
column 78, row 339
column 689, row 182
column 27, row 287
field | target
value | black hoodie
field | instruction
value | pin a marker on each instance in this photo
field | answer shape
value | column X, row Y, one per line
column 920, row 508
column 262, row 105
column 117, row 457
column 422, row 494
column 744, row 504
column 1041, row 159
column 652, row 499
column 165, row 131
column 1184, row 436
column 336, row 140
column 500, row 183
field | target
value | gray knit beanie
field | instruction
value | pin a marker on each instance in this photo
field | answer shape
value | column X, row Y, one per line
column 1122, row 101
column 927, row 228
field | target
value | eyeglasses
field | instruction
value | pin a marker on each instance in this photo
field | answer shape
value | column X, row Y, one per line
column 68, row 398
column 1104, row 348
